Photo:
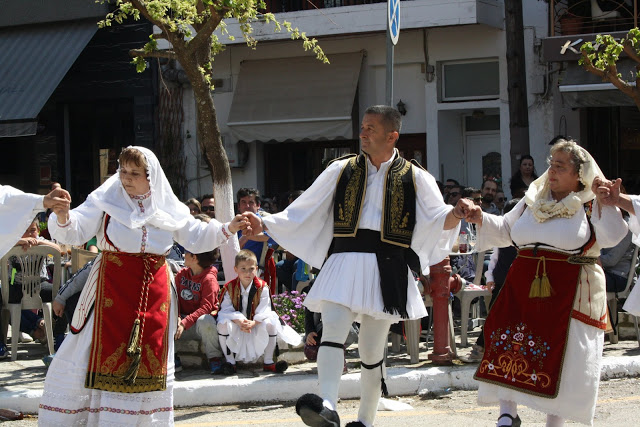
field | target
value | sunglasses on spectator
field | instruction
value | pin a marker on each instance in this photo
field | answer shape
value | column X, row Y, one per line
column 501, row 199
column 208, row 208
column 475, row 199
column 454, row 194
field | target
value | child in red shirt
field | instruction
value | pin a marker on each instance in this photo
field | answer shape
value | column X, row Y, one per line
column 198, row 288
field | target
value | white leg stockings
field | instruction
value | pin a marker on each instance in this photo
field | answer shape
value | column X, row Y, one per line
column 271, row 345
column 223, row 334
column 510, row 408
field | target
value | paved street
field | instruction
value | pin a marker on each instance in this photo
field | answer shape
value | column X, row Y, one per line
column 618, row 403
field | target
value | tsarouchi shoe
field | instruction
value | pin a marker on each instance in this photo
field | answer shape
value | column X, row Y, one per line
column 313, row 413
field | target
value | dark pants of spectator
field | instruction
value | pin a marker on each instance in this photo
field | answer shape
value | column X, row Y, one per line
column 615, row 283
column 284, row 272
column 494, row 295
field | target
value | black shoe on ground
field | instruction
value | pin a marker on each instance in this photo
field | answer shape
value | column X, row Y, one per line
column 228, row 369
column 515, row 422
column 354, row 424
column 313, row 413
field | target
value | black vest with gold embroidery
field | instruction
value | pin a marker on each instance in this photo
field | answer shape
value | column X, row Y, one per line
column 398, row 205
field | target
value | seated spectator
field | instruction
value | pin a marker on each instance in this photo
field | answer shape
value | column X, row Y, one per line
column 194, row 206
column 32, row 325
column 197, row 287
column 247, row 327
column 313, row 333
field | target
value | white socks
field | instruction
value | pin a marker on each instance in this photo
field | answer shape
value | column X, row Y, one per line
column 510, row 408
column 554, row 421
column 223, row 333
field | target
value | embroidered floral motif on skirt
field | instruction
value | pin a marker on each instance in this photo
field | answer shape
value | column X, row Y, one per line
column 133, row 289
column 525, row 333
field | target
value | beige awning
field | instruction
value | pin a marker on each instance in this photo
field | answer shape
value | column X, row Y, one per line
column 296, row 99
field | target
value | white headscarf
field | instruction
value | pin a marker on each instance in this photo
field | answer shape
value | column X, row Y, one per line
column 543, row 207
column 166, row 211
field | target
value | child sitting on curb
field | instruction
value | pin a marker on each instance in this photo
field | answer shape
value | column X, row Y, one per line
column 197, row 286
column 247, row 327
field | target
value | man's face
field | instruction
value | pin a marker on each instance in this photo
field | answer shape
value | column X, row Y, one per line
column 208, row 207
column 448, row 186
column 375, row 140
column 500, row 200
column 455, row 194
column 477, row 198
column 248, row 204
column 489, row 191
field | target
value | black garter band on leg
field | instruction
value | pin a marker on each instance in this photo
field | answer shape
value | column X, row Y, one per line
column 383, row 385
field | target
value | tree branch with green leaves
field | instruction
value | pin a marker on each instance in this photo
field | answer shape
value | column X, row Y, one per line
column 602, row 59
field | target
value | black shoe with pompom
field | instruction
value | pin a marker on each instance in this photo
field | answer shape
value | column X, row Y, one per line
column 314, row 413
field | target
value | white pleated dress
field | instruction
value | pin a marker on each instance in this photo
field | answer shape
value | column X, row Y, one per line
column 352, row 279
column 17, row 210
column 580, row 377
column 65, row 401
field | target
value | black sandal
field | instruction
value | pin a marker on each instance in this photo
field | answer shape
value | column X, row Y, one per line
column 515, row 422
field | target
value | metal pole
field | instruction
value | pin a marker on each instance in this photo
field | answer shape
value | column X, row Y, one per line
column 635, row 13
column 67, row 149
column 389, row 84
column 552, row 21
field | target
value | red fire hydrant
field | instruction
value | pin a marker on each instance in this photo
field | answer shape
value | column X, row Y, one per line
column 442, row 284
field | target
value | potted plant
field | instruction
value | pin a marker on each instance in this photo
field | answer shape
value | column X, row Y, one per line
column 572, row 14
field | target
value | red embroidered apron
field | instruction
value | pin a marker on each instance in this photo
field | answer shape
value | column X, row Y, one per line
column 130, row 287
column 526, row 336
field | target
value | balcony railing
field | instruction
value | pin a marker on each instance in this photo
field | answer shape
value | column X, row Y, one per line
column 568, row 17
column 277, row 6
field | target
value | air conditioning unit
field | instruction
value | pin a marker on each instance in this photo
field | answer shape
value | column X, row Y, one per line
column 237, row 151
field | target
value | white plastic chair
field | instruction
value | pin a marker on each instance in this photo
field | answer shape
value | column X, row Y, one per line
column 31, row 262
column 612, row 297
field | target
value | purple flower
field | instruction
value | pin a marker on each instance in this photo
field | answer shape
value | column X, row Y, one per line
column 286, row 317
column 294, row 292
column 298, row 306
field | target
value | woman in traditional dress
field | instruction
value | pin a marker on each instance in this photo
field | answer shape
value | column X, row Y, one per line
column 117, row 366
column 544, row 334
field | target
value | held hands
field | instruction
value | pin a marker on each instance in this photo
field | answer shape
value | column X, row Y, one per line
column 238, row 223
column 468, row 210
column 607, row 192
column 245, row 324
column 59, row 201
column 255, row 224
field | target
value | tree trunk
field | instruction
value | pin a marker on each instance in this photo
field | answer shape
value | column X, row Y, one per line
column 517, row 82
column 208, row 134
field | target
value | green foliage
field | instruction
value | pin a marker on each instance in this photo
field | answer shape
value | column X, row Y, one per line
column 181, row 21
column 605, row 53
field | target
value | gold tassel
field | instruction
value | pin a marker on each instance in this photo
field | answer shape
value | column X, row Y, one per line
column 133, row 350
column 133, row 337
column 545, row 286
column 130, row 375
column 534, row 291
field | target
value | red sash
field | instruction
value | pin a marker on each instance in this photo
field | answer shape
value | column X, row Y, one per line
column 526, row 336
column 130, row 287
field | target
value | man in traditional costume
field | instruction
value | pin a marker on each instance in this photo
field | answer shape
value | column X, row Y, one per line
column 373, row 215
column 544, row 333
column 17, row 210
column 116, row 368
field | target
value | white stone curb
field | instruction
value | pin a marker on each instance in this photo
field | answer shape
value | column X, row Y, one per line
column 400, row 382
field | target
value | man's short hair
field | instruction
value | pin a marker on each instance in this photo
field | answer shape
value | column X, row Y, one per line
column 244, row 192
column 452, row 180
column 246, row 255
column 391, row 118
column 206, row 196
column 468, row 191
column 489, row 180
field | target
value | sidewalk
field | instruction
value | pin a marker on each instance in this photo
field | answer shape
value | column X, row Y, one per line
column 21, row 382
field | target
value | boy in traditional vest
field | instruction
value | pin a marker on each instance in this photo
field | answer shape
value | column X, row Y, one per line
column 247, row 327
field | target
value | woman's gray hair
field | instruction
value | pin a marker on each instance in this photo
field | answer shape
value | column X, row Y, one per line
column 576, row 153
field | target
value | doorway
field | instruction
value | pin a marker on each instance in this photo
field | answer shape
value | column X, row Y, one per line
column 482, row 157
